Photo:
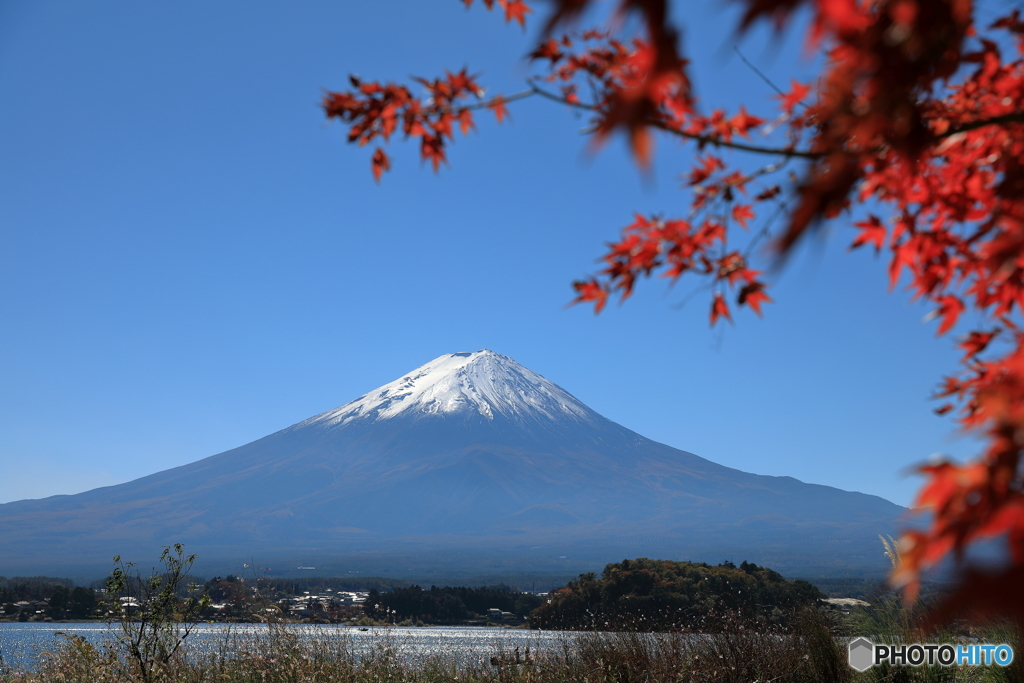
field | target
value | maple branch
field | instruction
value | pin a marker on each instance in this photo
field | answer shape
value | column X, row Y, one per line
column 497, row 99
column 788, row 152
column 719, row 142
column 1016, row 117
column 757, row 71
column 702, row 139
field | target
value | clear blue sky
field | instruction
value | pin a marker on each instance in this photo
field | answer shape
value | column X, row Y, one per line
column 192, row 258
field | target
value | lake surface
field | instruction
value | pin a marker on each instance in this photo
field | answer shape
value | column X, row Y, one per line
column 21, row 643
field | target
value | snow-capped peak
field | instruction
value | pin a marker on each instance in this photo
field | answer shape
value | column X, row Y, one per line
column 483, row 382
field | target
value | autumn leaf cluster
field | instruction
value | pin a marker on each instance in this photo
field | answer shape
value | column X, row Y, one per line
column 912, row 134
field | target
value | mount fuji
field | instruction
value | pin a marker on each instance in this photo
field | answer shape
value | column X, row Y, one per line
column 470, row 463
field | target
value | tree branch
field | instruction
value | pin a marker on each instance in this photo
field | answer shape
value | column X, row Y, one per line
column 702, row 139
column 1016, row 117
column 497, row 99
column 788, row 152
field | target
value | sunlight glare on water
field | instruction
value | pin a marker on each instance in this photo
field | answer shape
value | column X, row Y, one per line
column 22, row 643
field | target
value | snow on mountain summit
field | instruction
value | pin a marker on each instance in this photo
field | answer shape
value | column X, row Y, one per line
column 482, row 382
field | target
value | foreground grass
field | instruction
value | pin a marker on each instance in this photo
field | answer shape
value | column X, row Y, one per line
column 280, row 655
column 889, row 621
column 808, row 652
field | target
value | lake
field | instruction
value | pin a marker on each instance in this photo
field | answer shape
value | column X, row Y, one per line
column 20, row 643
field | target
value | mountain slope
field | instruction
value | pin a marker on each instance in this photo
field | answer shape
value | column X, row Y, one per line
column 470, row 453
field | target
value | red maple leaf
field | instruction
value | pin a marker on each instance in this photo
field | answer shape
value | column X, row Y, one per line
column 498, row 107
column 871, row 232
column 432, row 148
column 741, row 213
column 719, row 309
column 753, row 295
column 591, row 291
column 976, row 342
column 903, row 255
column 549, row 50
column 708, row 165
column 797, row 92
column 950, row 308
column 465, row 121
column 516, row 10
column 381, row 163
column 768, row 193
column 743, row 122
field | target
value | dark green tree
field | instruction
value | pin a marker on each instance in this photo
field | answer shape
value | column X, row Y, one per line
column 81, row 603
column 58, row 602
column 153, row 621
column 448, row 604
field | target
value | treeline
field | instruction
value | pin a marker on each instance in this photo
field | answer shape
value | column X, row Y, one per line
column 18, row 588
column 75, row 603
column 448, row 604
column 63, row 599
column 653, row 595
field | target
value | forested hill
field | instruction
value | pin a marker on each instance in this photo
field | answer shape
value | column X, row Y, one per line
column 665, row 595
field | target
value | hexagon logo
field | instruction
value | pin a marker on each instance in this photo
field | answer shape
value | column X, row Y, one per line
column 862, row 654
